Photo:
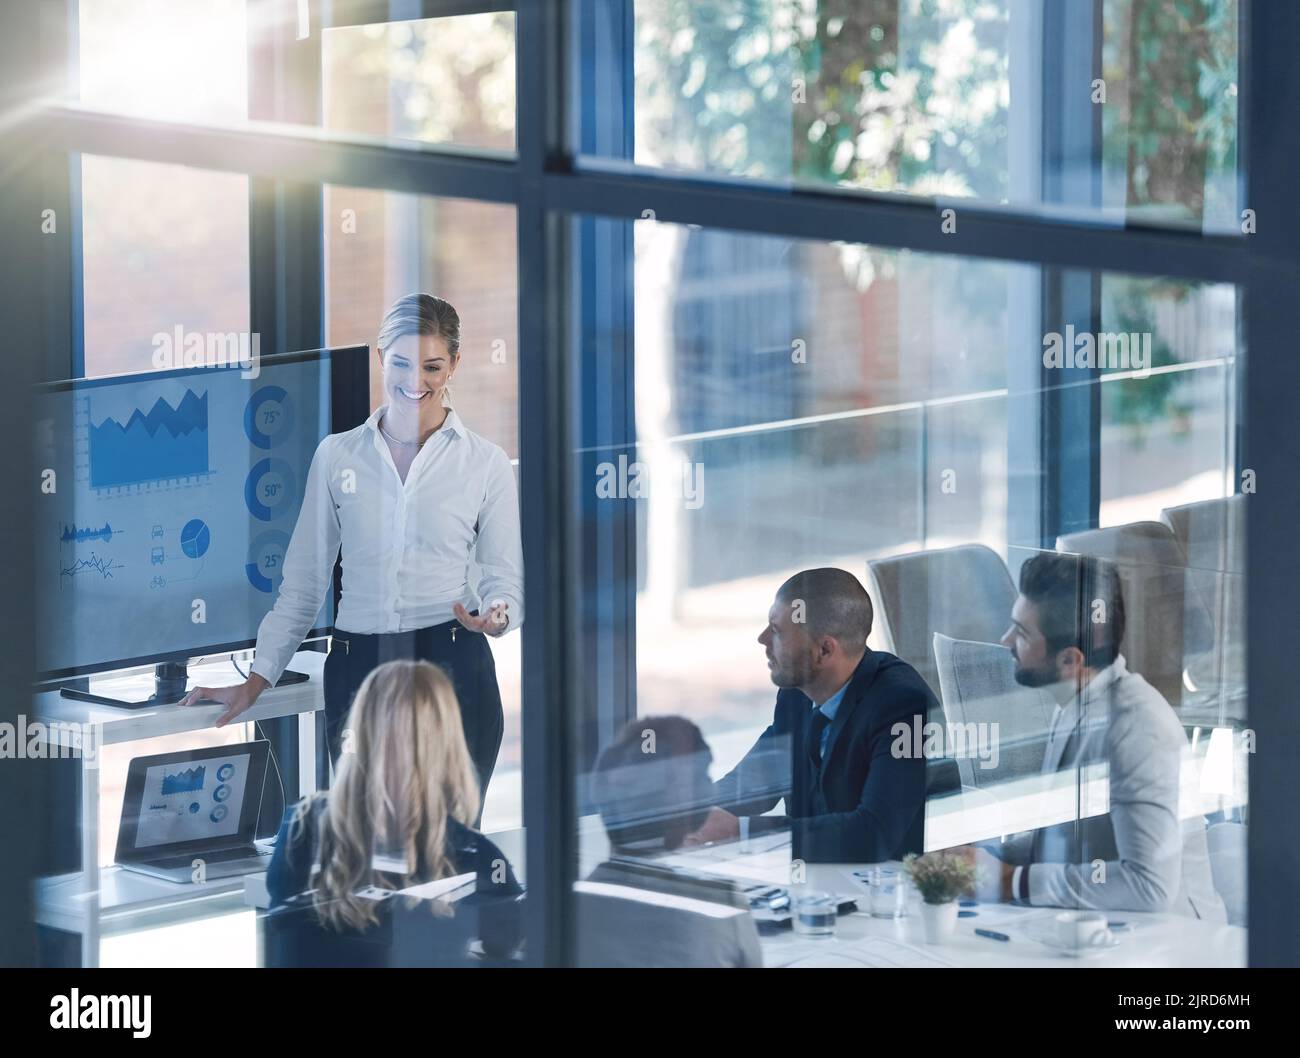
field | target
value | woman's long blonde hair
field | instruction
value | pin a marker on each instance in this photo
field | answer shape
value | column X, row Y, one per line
column 404, row 769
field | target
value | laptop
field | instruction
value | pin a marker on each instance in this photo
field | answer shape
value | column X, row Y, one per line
column 192, row 816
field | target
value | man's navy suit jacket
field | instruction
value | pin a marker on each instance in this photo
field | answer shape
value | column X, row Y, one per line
column 864, row 803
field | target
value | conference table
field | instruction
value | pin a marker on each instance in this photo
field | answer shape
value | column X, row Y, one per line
column 1149, row 940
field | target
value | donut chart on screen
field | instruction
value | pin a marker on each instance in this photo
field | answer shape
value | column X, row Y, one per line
column 265, row 566
column 270, row 489
column 268, row 416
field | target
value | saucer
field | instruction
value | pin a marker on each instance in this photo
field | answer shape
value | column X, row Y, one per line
column 1046, row 936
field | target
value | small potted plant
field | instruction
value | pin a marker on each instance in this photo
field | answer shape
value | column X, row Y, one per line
column 940, row 879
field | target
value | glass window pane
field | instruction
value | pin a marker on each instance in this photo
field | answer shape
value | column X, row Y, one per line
column 1169, row 439
column 842, row 400
column 982, row 99
column 1170, row 120
column 448, row 80
column 815, row 424
column 433, row 80
column 163, row 246
column 175, row 60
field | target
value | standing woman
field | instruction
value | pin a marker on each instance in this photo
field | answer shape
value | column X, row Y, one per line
column 411, row 496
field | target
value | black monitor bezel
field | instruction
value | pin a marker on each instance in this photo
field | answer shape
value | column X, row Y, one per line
column 249, row 812
column 349, row 407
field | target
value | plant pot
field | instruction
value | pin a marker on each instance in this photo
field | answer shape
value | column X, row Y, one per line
column 940, row 921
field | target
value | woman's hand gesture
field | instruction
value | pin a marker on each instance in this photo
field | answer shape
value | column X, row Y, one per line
column 492, row 623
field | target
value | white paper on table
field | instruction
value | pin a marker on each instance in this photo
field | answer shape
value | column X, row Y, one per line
column 876, row 952
column 726, row 861
column 443, row 887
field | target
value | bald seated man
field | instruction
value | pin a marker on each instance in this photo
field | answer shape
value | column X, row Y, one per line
column 831, row 749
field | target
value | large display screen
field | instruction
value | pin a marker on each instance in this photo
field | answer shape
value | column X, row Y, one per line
column 167, row 503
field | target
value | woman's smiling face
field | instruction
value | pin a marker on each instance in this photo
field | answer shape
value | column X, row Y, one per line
column 416, row 370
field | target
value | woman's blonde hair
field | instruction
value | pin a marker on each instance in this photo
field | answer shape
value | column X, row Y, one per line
column 421, row 314
column 404, row 769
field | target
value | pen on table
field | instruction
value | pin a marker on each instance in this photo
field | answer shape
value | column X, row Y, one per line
column 991, row 934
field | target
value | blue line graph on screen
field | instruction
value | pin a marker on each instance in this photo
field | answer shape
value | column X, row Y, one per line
column 74, row 534
column 184, row 781
column 105, row 567
column 166, row 443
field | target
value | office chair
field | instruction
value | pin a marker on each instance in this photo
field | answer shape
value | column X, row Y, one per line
column 961, row 592
column 1161, row 628
column 1212, row 535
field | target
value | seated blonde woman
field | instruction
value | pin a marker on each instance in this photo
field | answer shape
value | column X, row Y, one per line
column 398, row 813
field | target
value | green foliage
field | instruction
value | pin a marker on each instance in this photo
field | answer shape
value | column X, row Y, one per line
column 940, row 877
column 1130, row 309
column 913, row 95
column 1171, row 127
column 881, row 94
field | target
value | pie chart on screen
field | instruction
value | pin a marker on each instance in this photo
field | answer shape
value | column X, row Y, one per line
column 195, row 538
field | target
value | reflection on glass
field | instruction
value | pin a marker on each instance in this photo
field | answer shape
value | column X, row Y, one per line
column 434, row 80
column 1071, row 713
column 829, row 396
column 162, row 247
column 874, row 95
column 947, row 98
column 651, row 786
column 1168, row 439
column 1170, row 120
column 175, row 60
column 447, row 80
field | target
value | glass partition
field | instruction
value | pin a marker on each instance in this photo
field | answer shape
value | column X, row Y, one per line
column 848, row 648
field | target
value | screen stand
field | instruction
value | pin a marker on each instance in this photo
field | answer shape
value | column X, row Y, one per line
column 170, row 679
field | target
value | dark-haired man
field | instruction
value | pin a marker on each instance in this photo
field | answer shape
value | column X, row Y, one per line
column 829, row 751
column 1066, row 629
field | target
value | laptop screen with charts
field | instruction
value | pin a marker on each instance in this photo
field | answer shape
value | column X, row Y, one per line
column 195, row 801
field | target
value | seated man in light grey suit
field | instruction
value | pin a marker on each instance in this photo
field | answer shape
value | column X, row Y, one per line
column 652, row 788
column 1066, row 629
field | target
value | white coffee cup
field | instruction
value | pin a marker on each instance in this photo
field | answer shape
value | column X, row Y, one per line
column 1082, row 929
